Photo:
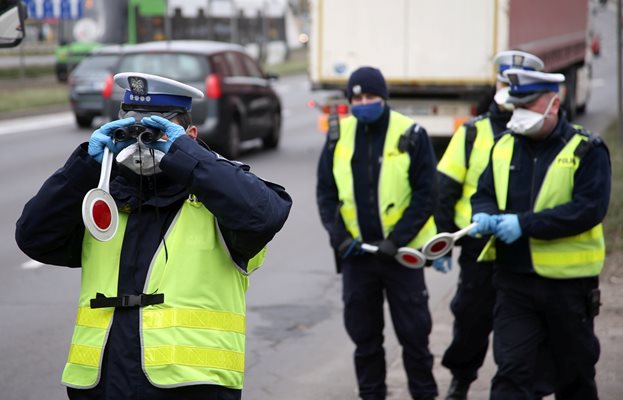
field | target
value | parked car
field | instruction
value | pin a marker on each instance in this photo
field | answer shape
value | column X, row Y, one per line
column 91, row 84
column 239, row 103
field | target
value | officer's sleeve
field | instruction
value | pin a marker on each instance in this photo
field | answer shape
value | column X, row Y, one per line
column 452, row 163
column 423, row 180
column 451, row 176
column 327, row 198
column 588, row 206
column 50, row 229
column 249, row 210
column 450, row 192
column 484, row 200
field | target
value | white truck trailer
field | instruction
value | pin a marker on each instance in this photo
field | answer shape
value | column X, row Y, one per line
column 437, row 55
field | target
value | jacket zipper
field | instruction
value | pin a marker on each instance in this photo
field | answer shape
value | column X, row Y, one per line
column 370, row 167
column 535, row 160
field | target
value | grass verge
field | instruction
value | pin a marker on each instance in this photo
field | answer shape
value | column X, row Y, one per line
column 613, row 223
column 296, row 64
column 31, row 71
column 31, row 96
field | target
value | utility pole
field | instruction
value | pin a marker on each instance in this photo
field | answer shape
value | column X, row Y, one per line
column 167, row 22
column 233, row 22
column 620, row 67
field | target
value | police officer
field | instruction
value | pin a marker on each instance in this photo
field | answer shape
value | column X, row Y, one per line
column 543, row 197
column 161, row 313
column 463, row 162
column 376, row 184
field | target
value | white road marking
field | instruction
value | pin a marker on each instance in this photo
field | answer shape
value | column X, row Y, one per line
column 32, row 264
column 19, row 125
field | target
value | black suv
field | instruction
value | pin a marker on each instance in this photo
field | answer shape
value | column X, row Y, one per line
column 239, row 102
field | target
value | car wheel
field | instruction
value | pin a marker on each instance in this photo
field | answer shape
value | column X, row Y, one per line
column 84, row 121
column 232, row 145
column 271, row 141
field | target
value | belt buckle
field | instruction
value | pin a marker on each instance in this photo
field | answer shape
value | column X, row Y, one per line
column 131, row 300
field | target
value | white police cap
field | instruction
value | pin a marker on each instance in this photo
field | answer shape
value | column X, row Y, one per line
column 153, row 92
column 526, row 86
column 513, row 59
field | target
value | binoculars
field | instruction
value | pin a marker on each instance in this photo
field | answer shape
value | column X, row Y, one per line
column 146, row 134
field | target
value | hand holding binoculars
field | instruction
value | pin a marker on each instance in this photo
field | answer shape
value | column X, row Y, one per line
column 140, row 132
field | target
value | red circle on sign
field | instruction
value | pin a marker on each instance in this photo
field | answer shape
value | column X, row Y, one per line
column 411, row 259
column 102, row 217
column 439, row 246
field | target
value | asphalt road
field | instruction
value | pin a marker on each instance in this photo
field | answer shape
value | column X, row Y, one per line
column 297, row 348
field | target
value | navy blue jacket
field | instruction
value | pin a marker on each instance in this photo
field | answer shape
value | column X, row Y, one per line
column 249, row 211
column 366, row 165
column 531, row 160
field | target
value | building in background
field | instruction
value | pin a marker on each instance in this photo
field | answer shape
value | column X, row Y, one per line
column 269, row 29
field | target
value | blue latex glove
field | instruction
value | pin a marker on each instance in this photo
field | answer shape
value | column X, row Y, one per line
column 443, row 264
column 486, row 224
column 171, row 129
column 102, row 137
column 508, row 229
column 349, row 247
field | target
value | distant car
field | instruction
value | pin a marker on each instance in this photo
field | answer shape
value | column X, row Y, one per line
column 239, row 103
column 91, row 83
column 68, row 56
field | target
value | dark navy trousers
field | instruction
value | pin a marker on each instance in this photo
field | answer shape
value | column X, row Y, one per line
column 367, row 281
column 472, row 307
column 531, row 311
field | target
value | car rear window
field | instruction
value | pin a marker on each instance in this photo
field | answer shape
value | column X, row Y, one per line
column 97, row 63
column 181, row 67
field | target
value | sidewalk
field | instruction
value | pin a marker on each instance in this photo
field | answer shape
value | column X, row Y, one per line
column 608, row 326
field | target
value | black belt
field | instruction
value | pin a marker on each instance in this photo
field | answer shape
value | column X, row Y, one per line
column 127, row 300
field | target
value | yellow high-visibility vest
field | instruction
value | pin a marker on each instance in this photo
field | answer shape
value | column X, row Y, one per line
column 197, row 336
column 467, row 172
column 577, row 256
column 394, row 188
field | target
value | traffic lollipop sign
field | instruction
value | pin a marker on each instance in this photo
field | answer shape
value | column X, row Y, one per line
column 441, row 244
column 99, row 211
column 406, row 256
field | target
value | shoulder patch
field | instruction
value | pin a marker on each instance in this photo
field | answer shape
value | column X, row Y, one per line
column 584, row 146
column 409, row 138
column 472, row 121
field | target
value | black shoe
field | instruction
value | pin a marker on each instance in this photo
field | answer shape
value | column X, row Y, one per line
column 458, row 390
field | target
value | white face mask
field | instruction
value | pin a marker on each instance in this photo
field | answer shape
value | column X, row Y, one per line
column 526, row 122
column 501, row 98
column 139, row 159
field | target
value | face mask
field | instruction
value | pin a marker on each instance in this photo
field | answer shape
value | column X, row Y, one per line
column 501, row 98
column 526, row 122
column 368, row 113
column 139, row 159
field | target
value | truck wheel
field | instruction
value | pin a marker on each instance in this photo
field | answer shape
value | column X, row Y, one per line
column 570, row 105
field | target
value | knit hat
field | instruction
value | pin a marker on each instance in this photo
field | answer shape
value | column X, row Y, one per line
column 366, row 80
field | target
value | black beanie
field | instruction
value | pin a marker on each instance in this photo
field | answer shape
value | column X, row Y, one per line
column 366, row 80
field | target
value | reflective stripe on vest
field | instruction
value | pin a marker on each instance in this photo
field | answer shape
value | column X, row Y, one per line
column 453, row 164
column 394, row 188
column 575, row 256
column 197, row 336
